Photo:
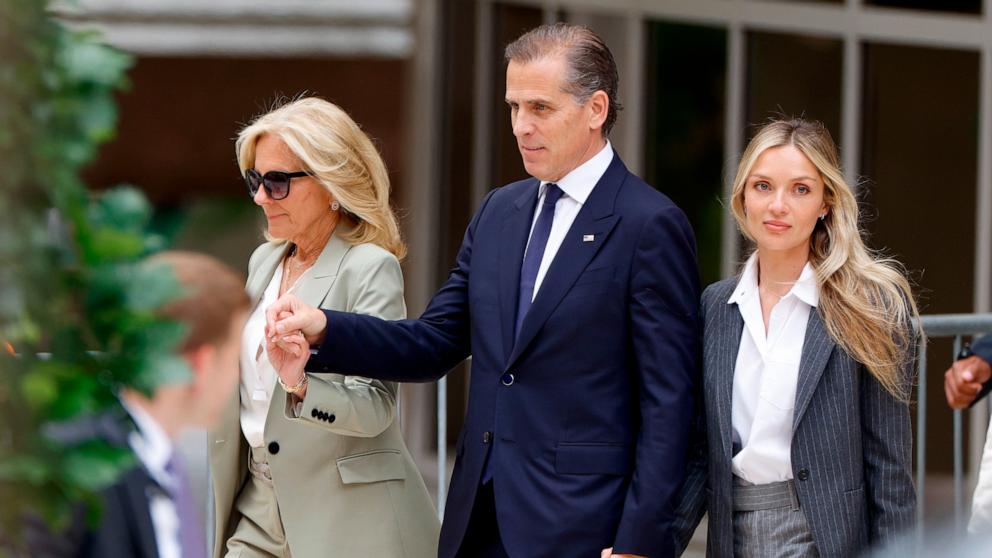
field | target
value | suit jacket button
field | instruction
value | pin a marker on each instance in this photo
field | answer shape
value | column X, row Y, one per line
column 330, row 417
column 507, row 379
column 487, row 437
column 273, row 447
column 803, row 474
column 314, row 413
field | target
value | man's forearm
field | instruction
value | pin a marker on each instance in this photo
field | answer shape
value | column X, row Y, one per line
column 400, row 351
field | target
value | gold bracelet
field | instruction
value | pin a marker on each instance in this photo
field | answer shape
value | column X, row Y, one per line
column 298, row 387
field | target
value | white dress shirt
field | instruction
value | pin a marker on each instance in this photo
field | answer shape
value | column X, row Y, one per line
column 981, row 506
column 766, row 375
column 153, row 448
column 576, row 187
column 258, row 377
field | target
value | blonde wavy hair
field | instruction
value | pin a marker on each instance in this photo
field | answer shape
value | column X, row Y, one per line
column 865, row 299
column 341, row 157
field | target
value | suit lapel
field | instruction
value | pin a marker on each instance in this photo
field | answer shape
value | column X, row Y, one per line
column 312, row 289
column 513, row 242
column 817, row 348
column 596, row 218
column 139, row 487
column 731, row 327
column 313, row 286
column 264, row 272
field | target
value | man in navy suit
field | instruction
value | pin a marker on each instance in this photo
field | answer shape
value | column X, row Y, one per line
column 576, row 294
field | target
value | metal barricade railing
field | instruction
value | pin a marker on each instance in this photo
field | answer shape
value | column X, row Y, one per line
column 937, row 326
column 442, row 444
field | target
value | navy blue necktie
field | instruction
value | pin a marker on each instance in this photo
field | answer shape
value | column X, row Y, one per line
column 535, row 253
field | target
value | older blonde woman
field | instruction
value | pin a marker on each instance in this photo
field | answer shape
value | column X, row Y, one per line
column 807, row 369
column 314, row 464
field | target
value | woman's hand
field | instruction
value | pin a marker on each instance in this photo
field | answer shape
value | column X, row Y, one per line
column 289, row 356
column 289, row 313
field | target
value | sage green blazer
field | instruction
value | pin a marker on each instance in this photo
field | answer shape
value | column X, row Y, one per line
column 348, row 487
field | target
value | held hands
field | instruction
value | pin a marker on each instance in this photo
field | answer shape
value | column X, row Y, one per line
column 964, row 380
column 288, row 354
column 289, row 314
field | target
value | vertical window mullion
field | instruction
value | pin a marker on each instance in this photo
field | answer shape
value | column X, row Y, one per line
column 482, row 156
column 978, row 416
column 733, row 141
column 633, row 100
column 850, row 141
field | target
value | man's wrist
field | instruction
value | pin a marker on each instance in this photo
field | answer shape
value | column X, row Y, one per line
column 317, row 339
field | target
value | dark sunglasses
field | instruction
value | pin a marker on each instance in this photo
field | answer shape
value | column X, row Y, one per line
column 276, row 183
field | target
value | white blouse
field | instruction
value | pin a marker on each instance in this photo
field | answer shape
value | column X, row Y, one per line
column 258, row 377
column 766, row 375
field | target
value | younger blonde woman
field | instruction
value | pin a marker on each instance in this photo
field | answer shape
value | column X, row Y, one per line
column 807, row 369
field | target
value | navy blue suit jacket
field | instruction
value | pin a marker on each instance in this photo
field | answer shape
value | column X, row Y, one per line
column 592, row 432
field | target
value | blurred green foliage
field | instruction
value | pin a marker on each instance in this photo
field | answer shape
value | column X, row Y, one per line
column 75, row 305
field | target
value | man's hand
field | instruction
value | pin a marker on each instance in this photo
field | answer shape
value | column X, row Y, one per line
column 608, row 553
column 289, row 357
column 964, row 380
column 289, row 314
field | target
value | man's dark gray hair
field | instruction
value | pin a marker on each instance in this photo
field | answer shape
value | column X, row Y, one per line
column 591, row 67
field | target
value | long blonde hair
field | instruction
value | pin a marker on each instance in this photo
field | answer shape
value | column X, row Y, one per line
column 865, row 299
column 341, row 157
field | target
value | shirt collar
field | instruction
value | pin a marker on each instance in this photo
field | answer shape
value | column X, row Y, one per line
column 150, row 443
column 805, row 288
column 579, row 183
column 747, row 285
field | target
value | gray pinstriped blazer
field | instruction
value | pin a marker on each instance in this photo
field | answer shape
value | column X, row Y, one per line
column 852, row 442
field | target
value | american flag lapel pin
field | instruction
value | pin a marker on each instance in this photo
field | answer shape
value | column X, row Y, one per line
column 588, row 238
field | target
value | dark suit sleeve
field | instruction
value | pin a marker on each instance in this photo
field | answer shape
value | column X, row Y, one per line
column 691, row 504
column 665, row 347
column 887, row 436
column 983, row 350
column 418, row 350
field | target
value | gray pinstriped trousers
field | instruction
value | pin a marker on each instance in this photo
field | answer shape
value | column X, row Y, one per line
column 768, row 522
